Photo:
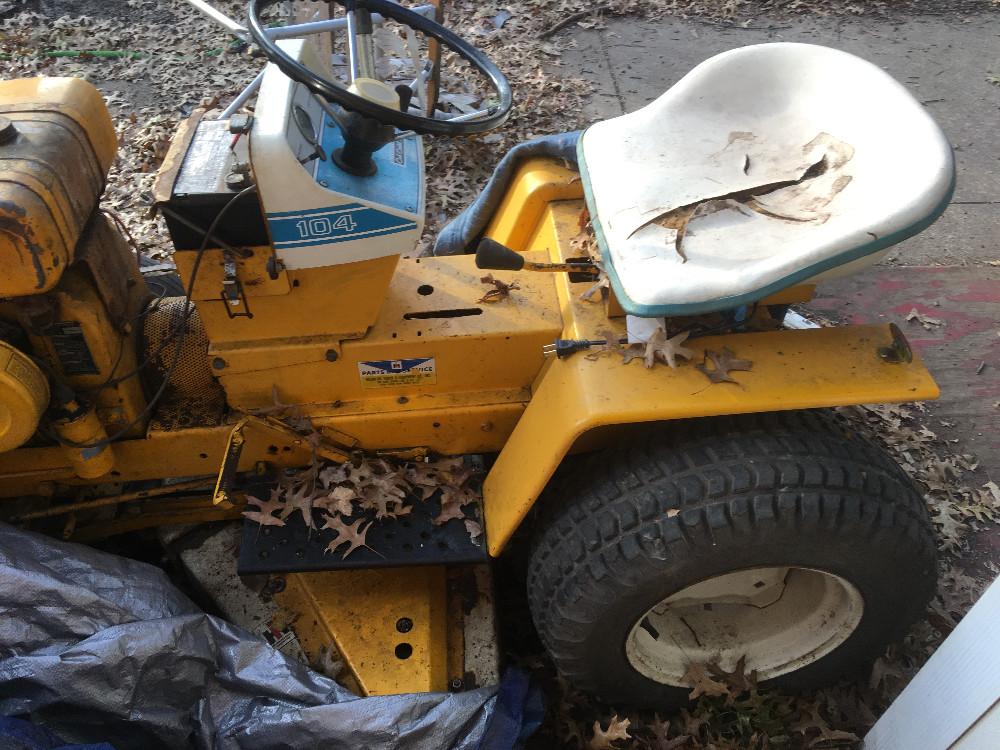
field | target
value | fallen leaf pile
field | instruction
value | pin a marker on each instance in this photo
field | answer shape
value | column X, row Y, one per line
column 349, row 497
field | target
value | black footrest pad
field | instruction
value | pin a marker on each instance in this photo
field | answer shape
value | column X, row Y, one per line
column 409, row 540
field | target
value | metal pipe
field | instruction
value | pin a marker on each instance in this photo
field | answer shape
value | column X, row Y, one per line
column 219, row 17
column 364, row 46
column 294, row 30
column 243, row 97
column 469, row 116
column 352, row 46
column 169, row 489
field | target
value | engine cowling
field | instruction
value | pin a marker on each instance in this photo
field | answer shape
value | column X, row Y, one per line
column 57, row 142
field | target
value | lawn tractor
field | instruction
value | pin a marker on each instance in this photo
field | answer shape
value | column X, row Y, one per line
column 600, row 374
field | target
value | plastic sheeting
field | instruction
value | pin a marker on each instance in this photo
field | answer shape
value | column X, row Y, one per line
column 101, row 648
column 462, row 233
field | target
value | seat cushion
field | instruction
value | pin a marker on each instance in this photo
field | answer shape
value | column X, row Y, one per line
column 763, row 167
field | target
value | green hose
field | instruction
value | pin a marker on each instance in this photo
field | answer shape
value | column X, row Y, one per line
column 100, row 53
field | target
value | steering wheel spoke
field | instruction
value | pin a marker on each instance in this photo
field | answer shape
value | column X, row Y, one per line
column 361, row 67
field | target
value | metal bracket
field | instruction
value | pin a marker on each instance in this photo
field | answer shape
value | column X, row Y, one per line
column 237, row 439
column 230, row 464
column 899, row 350
column 233, row 294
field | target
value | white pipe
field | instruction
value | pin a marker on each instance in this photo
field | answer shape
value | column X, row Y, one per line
column 295, row 30
column 243, row 97
column 219, row 17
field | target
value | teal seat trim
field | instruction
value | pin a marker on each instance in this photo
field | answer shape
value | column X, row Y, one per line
column 727, row 303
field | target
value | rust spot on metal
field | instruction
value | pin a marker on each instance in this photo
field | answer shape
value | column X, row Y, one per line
column 20, row 231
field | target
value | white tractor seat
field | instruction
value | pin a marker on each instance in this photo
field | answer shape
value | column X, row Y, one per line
column 763, row 167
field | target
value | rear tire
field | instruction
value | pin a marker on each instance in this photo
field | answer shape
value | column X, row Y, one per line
column 797, row 492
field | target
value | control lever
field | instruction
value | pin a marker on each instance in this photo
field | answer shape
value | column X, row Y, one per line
column 493, row 256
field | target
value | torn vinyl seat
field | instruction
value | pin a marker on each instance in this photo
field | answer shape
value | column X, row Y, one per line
column 764, row 167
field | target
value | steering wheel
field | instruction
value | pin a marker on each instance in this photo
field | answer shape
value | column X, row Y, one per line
column 334, row 91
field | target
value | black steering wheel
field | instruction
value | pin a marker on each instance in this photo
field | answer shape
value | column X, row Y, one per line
column 335, row 92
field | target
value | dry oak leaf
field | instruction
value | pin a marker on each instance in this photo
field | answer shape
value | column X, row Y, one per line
column 602, row 739
column 272, row 504
column 739, row 681
column 266, row 508
column 423, row 479
column 332, row 475
column 659, row 347
column 661, row 736
column 724, row 362
column 815, row 720
column 926, row 321
column 501, row 290
column 474, row 529
column 451, row 506
column 381, row 504
column 339, row 499
column 300, row 500
column 351, row 534
column 632, row 351
column 701, row 682
column 610, row 346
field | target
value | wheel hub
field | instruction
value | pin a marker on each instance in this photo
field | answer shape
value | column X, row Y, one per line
column 779, row 618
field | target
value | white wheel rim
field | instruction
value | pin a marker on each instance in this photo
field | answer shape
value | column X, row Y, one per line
column 780, row 619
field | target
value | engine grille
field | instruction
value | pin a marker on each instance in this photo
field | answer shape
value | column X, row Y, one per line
column 193, row 397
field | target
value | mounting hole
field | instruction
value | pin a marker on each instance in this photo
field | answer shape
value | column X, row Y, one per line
column 420, row 333
column 404, row 624
column 436, row 425
column 202, row 455
column 425, row 289
column 272, row 450
column 404, row 651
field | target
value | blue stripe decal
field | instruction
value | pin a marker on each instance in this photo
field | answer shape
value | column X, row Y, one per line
column 304, row 211
column 377, row 233
column 333, row 224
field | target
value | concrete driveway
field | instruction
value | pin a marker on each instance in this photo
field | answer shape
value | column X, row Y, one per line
column 951, row 272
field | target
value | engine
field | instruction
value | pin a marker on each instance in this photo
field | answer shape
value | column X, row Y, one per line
column 71, row 294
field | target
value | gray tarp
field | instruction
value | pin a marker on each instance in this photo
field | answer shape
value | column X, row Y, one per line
column 102, row 648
